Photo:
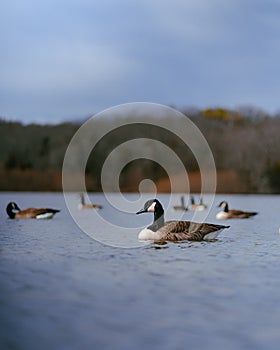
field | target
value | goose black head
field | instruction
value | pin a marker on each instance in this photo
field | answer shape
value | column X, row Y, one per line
column 151, row 206
column 12, row 209
column 224, row 205
column 154, row 206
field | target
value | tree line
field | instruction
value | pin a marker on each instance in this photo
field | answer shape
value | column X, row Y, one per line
column 244, row 141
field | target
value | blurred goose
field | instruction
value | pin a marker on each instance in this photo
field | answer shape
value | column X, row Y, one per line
column 83, row 205
column 233, row 213
column 14, row 212
column 199, row 207
column 175, row 230
column 182, row 206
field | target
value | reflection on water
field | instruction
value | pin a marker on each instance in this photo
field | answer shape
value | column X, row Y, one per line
column 60, row 289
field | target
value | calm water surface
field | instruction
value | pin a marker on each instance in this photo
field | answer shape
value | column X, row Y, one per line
column 60, row 289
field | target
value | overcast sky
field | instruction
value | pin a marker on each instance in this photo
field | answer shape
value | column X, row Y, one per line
column 68, row 59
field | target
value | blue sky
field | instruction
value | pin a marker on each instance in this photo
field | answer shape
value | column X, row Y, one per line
column 66, row 59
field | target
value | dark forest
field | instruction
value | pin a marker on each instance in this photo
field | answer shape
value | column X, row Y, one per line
column 245, row 144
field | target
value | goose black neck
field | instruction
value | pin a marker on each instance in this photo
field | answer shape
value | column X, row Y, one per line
column 10, row 213
column 182, row 201
column 158, row 218
column 82, row 199
column 226, row 208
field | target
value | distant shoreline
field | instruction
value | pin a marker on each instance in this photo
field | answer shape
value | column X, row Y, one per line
column 29, row 180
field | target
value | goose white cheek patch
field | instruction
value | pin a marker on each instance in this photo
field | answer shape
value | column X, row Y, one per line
column 151, row 208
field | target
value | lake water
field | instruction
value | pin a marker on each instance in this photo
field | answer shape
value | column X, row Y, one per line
column 61, row 289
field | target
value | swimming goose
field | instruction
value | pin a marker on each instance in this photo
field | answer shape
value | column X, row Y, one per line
column 182, row 206
column 175, row 230
column 14, row 212
column 233, row 213
column 83, row 205
column 199, row 207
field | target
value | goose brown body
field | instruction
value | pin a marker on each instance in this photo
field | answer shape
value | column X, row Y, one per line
column 199, row 207
column 233, row 213
column 14, row 212
column 181, row 207
column 83, row 205
column 90, row 206
column 188, row 230
column 175, row 230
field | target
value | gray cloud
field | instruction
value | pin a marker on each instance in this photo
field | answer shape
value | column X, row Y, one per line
column 69, row 59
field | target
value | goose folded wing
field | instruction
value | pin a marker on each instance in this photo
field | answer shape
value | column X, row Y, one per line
column 33, row 212
column 240, row 214
column 197, row 231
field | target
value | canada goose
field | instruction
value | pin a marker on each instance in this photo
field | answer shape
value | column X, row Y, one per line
column 14, row 212
column 233, row 213
column 199, row 207
column 175, row 230
column 182, row 206
column 83, row 205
